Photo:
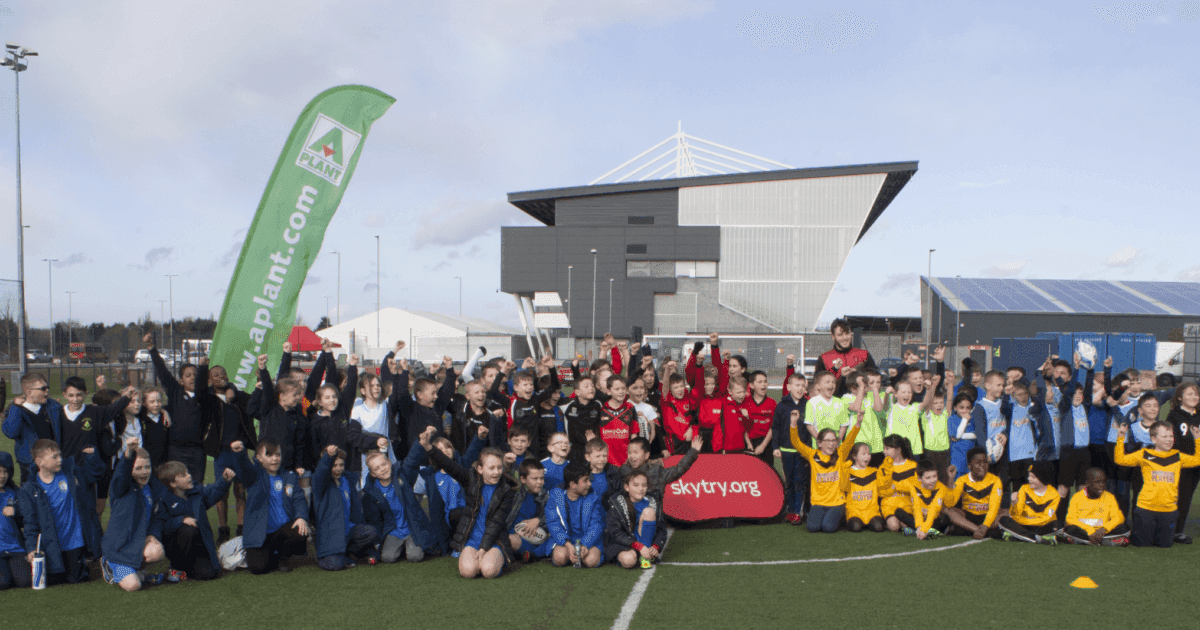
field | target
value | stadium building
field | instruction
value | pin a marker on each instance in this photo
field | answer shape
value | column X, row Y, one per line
column 727, row 241
column 968, row 313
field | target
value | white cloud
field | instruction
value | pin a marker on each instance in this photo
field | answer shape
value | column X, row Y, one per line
column 1124, row 257
column 456, row 222
column 1191, row 274
column 902, row 282
column 1005, row 269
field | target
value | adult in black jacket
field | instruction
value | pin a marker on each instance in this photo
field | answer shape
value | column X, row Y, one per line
column 186, row 438
column 481, row 539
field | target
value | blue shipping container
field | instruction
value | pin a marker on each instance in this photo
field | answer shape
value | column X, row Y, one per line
column 1120, row 348
column 1026, row 352
column 1145, row 351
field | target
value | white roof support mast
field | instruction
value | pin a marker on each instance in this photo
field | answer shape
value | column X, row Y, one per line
column 689, row 157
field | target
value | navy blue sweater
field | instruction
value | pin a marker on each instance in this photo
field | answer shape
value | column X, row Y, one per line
column 329, row 510
column 17, row 426
column 258, row 496
column 35, row 508
column 195, row 503
column 128, row 526
column 378, row 513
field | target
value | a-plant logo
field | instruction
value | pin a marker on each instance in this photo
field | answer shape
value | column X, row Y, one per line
column 327, row 151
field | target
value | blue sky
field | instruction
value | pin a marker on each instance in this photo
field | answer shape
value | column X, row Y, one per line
column 1054, row 141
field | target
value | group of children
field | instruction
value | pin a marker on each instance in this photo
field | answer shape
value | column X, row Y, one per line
column 512, row 470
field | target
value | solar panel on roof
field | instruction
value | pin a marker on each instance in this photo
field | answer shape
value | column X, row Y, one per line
column 1181, row 296
column 998, row 295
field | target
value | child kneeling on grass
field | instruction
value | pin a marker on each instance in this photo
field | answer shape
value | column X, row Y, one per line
column 860, row 484
column 526, row 523
column 635, row 532
column 342, row 533
column 575, row 520
column 480, row 539
column 977, row 496
column 827, row 461
column 187, row 535
column 928, row 499
column 134, row 530
column 275, row 526
column 1093, row 517
column 1033, row 517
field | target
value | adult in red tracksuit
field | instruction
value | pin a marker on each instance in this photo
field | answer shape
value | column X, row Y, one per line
column 844, row 355
column 729, row 436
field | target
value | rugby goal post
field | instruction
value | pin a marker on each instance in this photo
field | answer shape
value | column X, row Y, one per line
column 763, row 352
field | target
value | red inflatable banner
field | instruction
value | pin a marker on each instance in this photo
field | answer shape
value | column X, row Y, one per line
column 724, row 486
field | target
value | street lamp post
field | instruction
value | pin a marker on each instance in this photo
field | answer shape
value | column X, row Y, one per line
column 569, row 268
column 459, row 278
column 929, row 333
column 339, row 286
column 50, row 283
column 594, row 263
column 70, row 327
column 610, row 289
column 171, row 302
column 12, row 59
column 162, row 319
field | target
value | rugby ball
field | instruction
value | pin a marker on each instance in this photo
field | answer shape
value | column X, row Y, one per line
column 1087, row 354
column 995, row 450
column 536, row 537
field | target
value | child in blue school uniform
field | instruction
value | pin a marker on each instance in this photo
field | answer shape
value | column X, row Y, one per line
column 54, row 505
column 187, row 536
column 134, row 533
column 342, row 534
column 14, row 566
column 389, row 505
column 575, row 520
column 276, row 525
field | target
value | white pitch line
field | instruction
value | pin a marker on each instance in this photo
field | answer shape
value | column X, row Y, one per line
column 776, row 562
column 639, row 589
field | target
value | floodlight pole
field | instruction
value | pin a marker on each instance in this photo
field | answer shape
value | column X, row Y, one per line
column 171, row 302
column 12, row 59
column 378, row 342
column 594, row 263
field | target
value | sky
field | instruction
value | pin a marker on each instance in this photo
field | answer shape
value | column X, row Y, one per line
column 1055, row 140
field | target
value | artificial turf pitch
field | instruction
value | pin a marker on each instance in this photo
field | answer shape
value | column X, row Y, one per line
column 989, row 584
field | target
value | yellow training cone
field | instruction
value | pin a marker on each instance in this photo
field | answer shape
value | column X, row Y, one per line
column 1084, row 582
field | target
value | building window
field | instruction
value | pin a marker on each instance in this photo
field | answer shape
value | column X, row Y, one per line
column 649, row 269
column 694, row 269
column 641, row 220
column 635, row 249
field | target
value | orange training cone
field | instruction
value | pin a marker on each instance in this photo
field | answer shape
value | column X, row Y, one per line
column 1084, row 582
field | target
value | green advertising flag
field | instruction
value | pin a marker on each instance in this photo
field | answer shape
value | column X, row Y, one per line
column 286, row 235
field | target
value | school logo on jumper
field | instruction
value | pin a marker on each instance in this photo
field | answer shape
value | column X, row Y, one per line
column 278, row 485
column 288, row 490
column 327, row 151
column 62, row 485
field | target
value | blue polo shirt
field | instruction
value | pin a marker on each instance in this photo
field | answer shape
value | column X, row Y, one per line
column 10, row 539
column 344, row 487
column 401, row 530
column 481, row 519
column 276, row 515
column 66, row 517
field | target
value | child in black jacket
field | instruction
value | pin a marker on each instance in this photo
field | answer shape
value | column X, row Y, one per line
column 481, row 538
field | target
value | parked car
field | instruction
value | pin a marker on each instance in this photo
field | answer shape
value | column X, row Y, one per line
column 38, row 356
column 142, row 356
column 125, row 356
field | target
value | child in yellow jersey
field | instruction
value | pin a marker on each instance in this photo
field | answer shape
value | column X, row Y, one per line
column 928, row 499
column 827, row 460
column 1032, row 516
column 897, row 474
column 1094, row 518
column 860, row 483
column 977, row 498
column 1156, row 512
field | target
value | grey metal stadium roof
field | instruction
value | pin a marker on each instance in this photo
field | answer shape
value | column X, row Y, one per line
column 539, row 204
column 1069, row 296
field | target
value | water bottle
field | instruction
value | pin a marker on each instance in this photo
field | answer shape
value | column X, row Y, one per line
column 39, row 571
column 579, row 551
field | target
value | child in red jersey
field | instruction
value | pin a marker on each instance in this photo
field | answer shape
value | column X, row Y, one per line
column 730, row 435
column 618, row 421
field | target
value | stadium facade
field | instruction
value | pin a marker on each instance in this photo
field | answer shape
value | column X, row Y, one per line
column 751, row 252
